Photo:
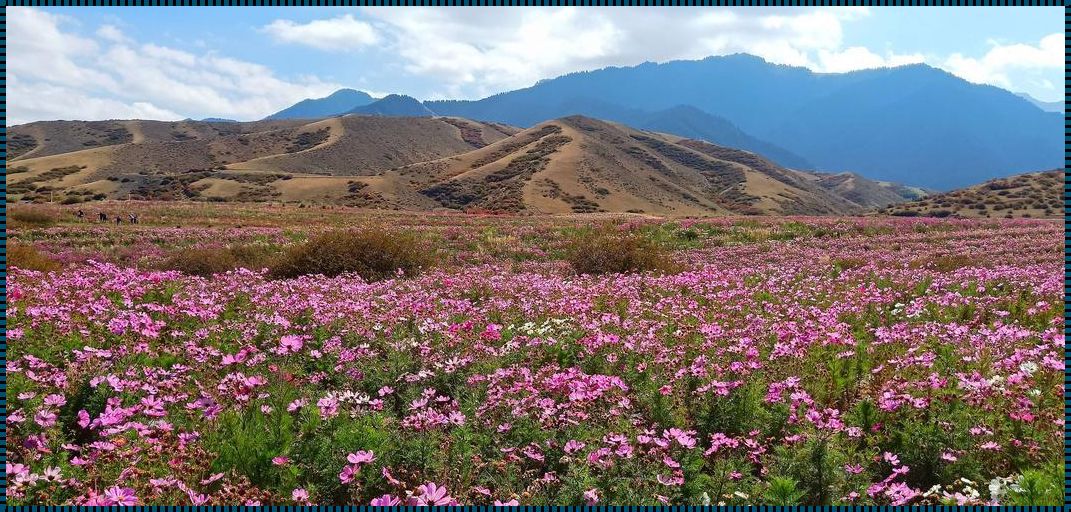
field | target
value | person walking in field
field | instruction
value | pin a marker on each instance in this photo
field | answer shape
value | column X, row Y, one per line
column 133, row 219
column 103, row 217
column 118, row 220
column 81, row 215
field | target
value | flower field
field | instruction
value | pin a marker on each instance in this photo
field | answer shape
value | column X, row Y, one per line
column 785, row 361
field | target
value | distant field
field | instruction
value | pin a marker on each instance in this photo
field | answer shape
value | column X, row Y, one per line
column 773, row 360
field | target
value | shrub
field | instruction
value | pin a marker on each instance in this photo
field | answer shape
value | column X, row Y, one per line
column 373, row 254
column 207, row 261
column 30, row 217
column 606, row 251
column 28, row 258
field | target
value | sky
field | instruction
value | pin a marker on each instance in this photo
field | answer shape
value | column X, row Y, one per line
column 171, row 63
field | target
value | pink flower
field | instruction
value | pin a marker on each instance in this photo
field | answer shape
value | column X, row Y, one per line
column 45, row 418
column 433, row 495
column 853, row 469
column 591, row 496
column 386, row 501
column 510, row 503
column 121, row 496
column 891, row 458
column 361, row 457
column 573, row 446
column 492, row 332
column 346, row 476
column 290, row 344
column 300, row 495
column 280, row 460
column 949, row 456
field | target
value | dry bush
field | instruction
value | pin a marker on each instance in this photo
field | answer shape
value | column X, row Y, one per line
column 18, row 217
column 207, row 261
column 374, row 254
column 607, row 251
column 27, row 258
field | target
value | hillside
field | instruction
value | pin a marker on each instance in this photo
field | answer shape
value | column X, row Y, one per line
column 151, row 159
column 913, row 124
column 1026, row 195
column 578, row 164
column 572, row 164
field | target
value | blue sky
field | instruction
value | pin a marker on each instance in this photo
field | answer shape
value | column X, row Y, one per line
column 245, row 63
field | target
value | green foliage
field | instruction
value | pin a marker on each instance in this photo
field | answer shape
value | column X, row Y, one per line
column 782, row 491
column 1038, row 487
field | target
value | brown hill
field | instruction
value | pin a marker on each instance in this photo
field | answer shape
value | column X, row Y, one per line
column 1026, row 195
column 578, row 164
column 151, row 159
column 868, row 193
column 573, row 164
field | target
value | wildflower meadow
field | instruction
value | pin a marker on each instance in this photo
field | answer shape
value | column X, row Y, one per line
column 864, row 360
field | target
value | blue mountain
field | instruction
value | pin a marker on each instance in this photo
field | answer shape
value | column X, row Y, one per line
column 911, row 124
column 338, row 103
column 394, row 105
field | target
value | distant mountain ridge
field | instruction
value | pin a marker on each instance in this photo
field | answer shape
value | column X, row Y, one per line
column 395, row 105
column 338, row 103
column 911, row 124
column 1047, row 106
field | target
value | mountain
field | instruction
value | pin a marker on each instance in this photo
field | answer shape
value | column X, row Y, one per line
column 571, row 164
column 868, row 193
column 912, row 123
column 217, row 120
column 338, row 103
column 1035, row 194
column 1047, row 106
column 683, row 120
column 395, row 105
column 578, row 164
column 235, row 161
column 691, row 122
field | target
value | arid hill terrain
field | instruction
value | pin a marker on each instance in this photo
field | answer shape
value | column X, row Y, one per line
column 572, row 164
column 1035, row 194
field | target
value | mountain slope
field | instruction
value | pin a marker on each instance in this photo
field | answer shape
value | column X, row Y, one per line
column 578, row 164
column 572, row 164
column 154, row 159
column 338, row 103
column 1047, row 106
column 683, row 120
column 394, row 105
column 1035, row 194
column 910, row 124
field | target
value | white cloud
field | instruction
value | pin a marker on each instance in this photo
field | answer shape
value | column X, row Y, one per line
column 996, row 66
column 858, row 57
column 112, row 33
column 55, row 74
column 474, row 52
column 336, row 34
